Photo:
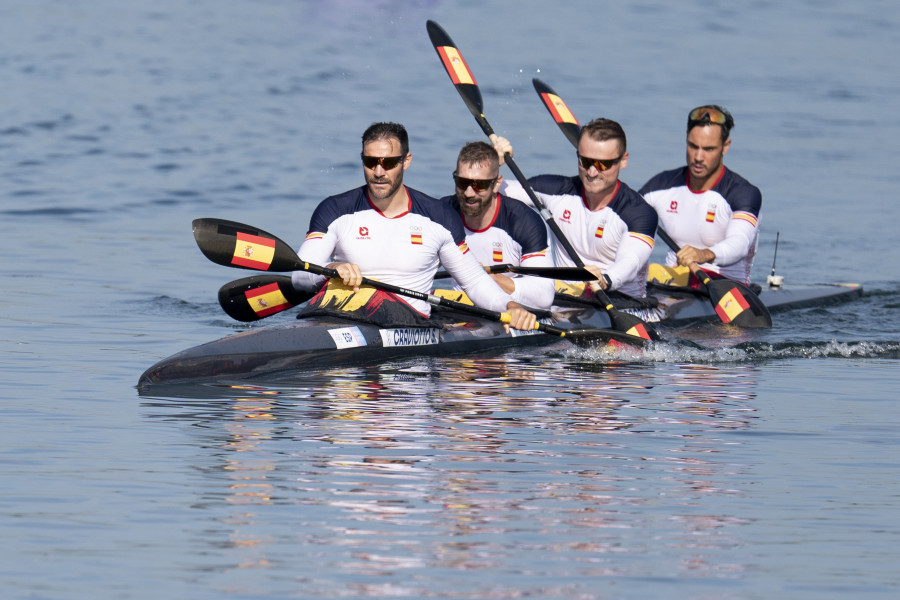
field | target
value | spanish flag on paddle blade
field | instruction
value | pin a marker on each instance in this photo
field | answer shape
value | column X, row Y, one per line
column 267, row 300
column 558, row 108
column 455, row 64
column 639, row 331
column 731, row 305
column 253, row 251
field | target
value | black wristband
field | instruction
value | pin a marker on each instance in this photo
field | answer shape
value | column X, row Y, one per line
column 607, row 280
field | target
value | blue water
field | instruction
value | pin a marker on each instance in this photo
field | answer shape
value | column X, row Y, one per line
column 759, row 464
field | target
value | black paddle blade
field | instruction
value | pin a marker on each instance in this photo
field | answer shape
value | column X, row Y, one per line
column 559, row 110
column 456, row 67
column 736, row 304
column 257, row 297
column 234, row 244
column 632, row 325
column 591, row 337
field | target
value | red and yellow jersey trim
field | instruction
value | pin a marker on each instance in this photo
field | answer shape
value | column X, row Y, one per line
column 640, row 236
column 315, row 235
column 745, row 216
column 534, row 255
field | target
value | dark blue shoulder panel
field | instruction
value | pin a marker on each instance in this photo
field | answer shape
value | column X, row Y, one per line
column 639, row 216
column 665, row 180
column 740, row 193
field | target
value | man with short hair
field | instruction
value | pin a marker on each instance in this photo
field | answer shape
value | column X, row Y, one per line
column 711, row 212
column 500, row 230
column 608, row 224
column 395, row 234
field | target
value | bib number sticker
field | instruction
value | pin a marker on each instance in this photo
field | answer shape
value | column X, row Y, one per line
column 347, row 337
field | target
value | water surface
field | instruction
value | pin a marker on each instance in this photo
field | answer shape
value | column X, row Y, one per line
column 744, row 465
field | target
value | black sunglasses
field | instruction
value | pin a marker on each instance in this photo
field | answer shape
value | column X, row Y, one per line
column 598, row 163
column 479, row 185
column 387, row 162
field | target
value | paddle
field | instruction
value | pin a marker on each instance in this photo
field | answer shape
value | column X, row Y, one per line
column 234, row 244
column 260, row 296
column 465, row 84
column 733, row 301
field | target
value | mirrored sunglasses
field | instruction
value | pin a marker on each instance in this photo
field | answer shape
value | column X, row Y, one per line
column 387, row 162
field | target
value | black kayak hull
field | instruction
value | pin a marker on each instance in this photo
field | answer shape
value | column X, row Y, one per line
column 323, row 342
column 329, row 341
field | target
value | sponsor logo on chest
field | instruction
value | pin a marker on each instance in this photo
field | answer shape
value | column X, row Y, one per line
column 363, row 233
column 566, row 217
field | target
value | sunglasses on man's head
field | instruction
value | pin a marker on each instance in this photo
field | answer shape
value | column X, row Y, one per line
column 387, row 162
column 479, row 185
column 598, row 163
column 707, row 114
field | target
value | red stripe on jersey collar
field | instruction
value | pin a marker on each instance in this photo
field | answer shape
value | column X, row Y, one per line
column 687, row 181
column 493, row 219
column 376, row 209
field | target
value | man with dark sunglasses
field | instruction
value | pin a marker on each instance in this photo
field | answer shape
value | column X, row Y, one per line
column 608, row 224
column 711, row 212
column 395, row 234
column 500, row 230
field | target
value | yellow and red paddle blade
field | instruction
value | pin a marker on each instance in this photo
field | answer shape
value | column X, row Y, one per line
column 631, row 324
column 559, row 110
column 735, row 303
column 260, row 296
column 456, row 67
column 234, row 244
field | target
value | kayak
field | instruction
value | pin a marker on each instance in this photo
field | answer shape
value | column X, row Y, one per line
column 325, row 341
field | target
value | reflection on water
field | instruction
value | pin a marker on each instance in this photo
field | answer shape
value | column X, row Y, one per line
column 547, row 471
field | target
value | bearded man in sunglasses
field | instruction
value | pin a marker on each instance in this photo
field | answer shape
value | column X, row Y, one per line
column 711, row 212
column 500, row 230
column 395, row 234
column 607, row 223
